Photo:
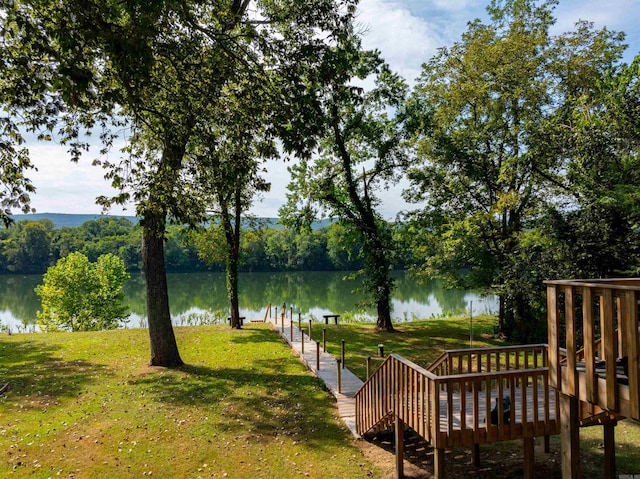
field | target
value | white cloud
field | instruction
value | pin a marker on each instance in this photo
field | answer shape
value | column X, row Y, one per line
column 65, row 187
column 610, row 13
column 405, row 40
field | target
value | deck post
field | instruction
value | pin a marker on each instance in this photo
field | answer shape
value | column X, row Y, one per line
column 570, row 437
column 399, row 436
column 438, row 463
column 609, row 450
column 475, row 455
column 529, row 459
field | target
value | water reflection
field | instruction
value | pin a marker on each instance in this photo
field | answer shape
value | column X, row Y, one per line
column 201, row 297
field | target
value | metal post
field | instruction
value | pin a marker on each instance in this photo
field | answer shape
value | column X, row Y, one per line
column 276, row 315
column 324, row 339
column 291, row 313
column 342, row 352
column 368, row 367
column 291, row 330
column 339, row 376
column 299, row 321
column 309, row 328
column 317, row 355
column 381, row 350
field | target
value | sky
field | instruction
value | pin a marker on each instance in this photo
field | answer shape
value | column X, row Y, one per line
column 407, row 32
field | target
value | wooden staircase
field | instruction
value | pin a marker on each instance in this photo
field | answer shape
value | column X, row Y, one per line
column 450, row 403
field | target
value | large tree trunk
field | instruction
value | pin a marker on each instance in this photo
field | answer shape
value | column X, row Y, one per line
column 164, row 349
column 232, row 235
column 384, row 310
column 383, row 286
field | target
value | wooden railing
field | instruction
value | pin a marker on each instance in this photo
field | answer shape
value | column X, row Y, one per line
column 455, row 409
column 463, row 361
column 595, row 319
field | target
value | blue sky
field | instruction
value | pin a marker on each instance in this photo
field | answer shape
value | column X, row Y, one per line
column 407, row 32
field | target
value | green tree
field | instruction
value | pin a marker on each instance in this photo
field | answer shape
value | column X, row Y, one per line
column 162, row 67
column 28, row 246
column 360, row 152
column 79, row 295
column 480, row 115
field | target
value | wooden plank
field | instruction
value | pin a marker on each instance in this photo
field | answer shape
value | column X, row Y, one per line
column 435, row 407
column 438, row 463
column 609, row 338
column 553, row 338
column 589, row 350
column 463, row 406
column 399, row 436
column 524, row 410
column 609, row 451
column 633, row 352
column 619, row 326
column 570, row 324
column 570, row 437
column 487, row 411
column 529, row 458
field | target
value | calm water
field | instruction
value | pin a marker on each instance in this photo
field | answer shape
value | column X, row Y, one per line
column 198, row 298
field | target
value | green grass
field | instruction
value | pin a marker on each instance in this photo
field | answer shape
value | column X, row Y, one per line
column 85, row 405
column 419, row 341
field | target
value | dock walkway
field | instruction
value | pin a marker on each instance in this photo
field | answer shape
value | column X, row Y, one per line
column 327, row 372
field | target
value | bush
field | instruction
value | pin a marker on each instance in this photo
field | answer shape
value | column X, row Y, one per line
column 79, row 295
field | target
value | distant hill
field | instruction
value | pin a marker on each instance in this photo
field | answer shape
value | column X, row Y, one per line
column 65, row 219
column 60, row 220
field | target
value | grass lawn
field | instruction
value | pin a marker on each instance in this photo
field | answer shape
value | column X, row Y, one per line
column 86, row 405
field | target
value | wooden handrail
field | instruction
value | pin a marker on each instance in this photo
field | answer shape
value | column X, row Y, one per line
column 463, row 361
column 603, row 315
column 455, row 409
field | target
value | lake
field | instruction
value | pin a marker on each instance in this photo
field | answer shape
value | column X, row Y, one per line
column 201, row 298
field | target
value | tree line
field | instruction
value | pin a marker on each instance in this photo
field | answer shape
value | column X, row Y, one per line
column 520, row 147
column 30, row 247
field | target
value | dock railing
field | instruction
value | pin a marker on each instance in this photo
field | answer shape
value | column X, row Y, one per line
column 451, row 402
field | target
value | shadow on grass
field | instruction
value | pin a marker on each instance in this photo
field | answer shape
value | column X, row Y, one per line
column 262, row 401
column 255, row 335
column 33, row 368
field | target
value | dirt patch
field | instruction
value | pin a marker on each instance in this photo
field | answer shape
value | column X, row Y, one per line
column 503, row 461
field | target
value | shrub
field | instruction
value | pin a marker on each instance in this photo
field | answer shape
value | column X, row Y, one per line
column 78, row 295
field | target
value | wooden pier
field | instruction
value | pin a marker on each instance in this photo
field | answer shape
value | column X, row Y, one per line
column 311, row 354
